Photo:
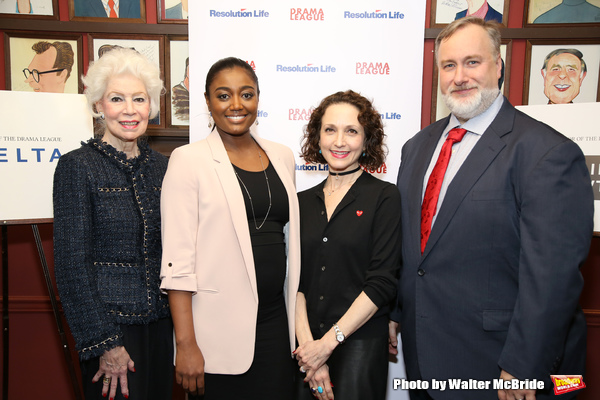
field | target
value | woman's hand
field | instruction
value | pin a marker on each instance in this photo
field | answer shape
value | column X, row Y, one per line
column 114, row 365
column 313, row 354
column 189, row 368
column 321, row 379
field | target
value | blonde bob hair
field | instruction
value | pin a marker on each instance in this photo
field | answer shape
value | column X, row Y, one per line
column 117, row 62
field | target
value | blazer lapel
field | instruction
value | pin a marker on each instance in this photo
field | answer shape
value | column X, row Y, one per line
column 235, row 202
column 480, row 158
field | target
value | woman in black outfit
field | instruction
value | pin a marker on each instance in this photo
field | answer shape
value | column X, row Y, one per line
column 350, row 241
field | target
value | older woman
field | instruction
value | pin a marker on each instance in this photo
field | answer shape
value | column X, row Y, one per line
column 107, row 245
column 350, row 236
column 232, row 288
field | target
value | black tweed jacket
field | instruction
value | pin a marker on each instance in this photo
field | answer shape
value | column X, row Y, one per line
column 107, row 245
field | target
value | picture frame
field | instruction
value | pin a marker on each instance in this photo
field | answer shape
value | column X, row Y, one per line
column 445, row 11
column 151, row 46
column 20, row 54
column 172, row 11
column 39, row 9
column 439, row 109
column 177, row 82
column 563, row 80
column 556, row 13
column 129, row 11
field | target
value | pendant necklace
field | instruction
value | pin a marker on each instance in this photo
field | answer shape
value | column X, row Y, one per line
column 248, row 193
column 337, row 177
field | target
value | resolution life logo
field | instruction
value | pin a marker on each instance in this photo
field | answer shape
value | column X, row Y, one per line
column 306, row 68
column 307, row 14
column 324, row 167
column 377, row 14
column 243, row 13
column 372, row 68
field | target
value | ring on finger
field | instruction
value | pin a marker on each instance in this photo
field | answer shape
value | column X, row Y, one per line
column 302, row 370
column 320, row 389
column 106, row 380
column 313, row 390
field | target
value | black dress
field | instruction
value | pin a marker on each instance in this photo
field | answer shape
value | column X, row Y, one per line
column 272, row 371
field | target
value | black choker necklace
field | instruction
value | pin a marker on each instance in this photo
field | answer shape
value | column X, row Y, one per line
column 336, row 174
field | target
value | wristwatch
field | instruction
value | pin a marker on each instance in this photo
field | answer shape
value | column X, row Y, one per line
column 339, row 336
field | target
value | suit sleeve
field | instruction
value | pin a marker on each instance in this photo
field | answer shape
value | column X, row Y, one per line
column 76, row 277
column 556, row 225
column 179, row 209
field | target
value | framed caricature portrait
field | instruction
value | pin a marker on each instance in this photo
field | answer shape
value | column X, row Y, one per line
column 36, row 9
column 43, row 63
column 561, row 73
column 149, row 45
column 172, row 11
column 178, row 82
column 439, row 109
column 96, row 10
column 562, row 12
column 445, row 11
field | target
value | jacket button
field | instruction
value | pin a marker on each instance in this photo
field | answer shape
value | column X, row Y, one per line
column 421, row 272
column 325, row 240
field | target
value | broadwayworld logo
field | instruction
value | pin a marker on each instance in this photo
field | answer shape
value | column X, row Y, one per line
column 243, row 13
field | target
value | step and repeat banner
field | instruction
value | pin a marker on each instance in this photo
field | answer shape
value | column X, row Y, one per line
column 303, row 51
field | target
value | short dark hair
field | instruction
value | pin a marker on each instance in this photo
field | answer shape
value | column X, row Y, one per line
column 556, row 52
column 368, row 117
column 187, row 64
column 64, row 54
column 229, row 63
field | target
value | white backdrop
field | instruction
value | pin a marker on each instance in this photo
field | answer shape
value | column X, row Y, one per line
column 302, row 54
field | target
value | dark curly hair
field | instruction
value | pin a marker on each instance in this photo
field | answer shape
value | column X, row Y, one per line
column 368, row 117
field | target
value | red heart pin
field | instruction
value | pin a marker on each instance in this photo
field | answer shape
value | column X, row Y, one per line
column 359, row 212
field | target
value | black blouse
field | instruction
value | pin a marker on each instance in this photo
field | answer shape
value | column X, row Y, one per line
column 357, row 250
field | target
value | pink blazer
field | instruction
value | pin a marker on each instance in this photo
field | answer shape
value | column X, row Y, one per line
column 207, row 249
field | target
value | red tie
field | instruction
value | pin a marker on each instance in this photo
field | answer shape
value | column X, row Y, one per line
column 111, row 4
column 434, row 184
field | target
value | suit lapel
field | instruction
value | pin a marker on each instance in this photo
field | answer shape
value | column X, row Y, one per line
column 235, row 202
column 483, row 154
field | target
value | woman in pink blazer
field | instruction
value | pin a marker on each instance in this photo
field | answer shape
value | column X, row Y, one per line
column 231, row 260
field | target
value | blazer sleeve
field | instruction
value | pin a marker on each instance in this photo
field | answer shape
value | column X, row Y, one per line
column 179, row 216
column 556, row 224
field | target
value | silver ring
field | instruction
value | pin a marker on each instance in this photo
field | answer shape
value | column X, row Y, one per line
column 302, row 370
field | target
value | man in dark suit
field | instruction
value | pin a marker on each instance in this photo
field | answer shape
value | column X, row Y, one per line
column 490, row 292
column 95, row 8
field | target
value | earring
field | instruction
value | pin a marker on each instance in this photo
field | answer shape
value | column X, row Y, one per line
column 320, row 151
column 364, row 154
column 211, row 121
column 101, row 115
column 256, row 121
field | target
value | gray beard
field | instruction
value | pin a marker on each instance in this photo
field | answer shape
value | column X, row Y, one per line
column 465, row 110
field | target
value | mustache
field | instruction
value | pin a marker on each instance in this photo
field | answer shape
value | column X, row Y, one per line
column 455, row 88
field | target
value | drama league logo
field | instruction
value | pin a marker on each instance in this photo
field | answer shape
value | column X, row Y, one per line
column 252, row 64
column 300, row 114
column 377, row 14
column 567, row 383
column 372, row 68
column 243, row 13
column 307, row 14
